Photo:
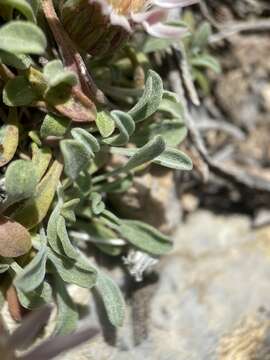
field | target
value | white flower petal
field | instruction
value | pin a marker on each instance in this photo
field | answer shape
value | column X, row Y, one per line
column 164, row 31
column 152, row 16
column 167, row 4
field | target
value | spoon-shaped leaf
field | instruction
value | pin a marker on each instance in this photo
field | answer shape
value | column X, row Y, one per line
column 147, row 153
column 145, row 237
column 21, row 180
column 76, row 157
column 33, row 274
column 112, row 298
column 22, row 6
column 21, row 37
column 150, row 100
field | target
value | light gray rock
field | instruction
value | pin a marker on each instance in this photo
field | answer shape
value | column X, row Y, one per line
column 217, row 277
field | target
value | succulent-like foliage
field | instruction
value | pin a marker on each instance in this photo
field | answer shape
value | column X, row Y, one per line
column 65, row 117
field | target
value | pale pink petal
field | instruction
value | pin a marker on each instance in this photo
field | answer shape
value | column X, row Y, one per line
column 152, row 16
column 164, row 31
column 167, row 4
column 120, row 20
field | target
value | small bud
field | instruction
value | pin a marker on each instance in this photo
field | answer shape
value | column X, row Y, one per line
column 100, row 27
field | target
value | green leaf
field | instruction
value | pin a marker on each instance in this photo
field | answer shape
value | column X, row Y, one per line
column 152, row 44
column 41, row 159
column 21, row 37
column 105, row 124
column 33, row 273
column 69, row 249
column 73, row 272
column 55, row 74
column 22, row 6
column 97, row 205
column 201, row 36
column 36, row 298
column 147, row 153
column 206, row 61
column 172, row 131
column 88, row 140
column 34, row 210
column 149, row 102
column 125, row 125
column 35, row 4
column 145, row 237
column 76, row 157
column 21, row 62
column 21, row 180
column 18, row 92
column 112, row 298
column 52, row 235
column 54, row 126
column 171, row 106
column 68, row 208
column 170, row 157
column 67, row 313
column 174, row 159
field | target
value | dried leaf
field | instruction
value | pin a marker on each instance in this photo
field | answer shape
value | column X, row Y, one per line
column 33, row 211
column 9, row 138
column 15, row 240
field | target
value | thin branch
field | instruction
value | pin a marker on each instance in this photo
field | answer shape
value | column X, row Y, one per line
column 236, row 27
column 72, row 57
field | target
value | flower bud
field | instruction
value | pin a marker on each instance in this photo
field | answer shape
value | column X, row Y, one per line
column 99, row 27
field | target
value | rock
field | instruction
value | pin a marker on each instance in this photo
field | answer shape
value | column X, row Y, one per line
column 249, row 74
column 249, row 340
column 207, row 303
column 152, row 199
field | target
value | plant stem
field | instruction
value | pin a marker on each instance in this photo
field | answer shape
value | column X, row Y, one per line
column 69, row 52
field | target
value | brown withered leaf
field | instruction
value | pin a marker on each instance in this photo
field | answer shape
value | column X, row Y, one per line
column 78, row 108
column 15, row 240
column 15, row 309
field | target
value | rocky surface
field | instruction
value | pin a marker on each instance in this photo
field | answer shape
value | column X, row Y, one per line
column 212, row 299
column 155, row 193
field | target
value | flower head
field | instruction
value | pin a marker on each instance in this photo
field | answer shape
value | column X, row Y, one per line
column 101, row 26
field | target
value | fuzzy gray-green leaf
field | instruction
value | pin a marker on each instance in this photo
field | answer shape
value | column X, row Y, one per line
column 174, row 159
column 150, row 100
column 67, row 312
column 21, row 180
column 145, row 237
column 73, row 272
column 55, row 74
column 76, row 157
column 22, row 6
column 33, row 273
column 147, row 153
column 18, row 92
column 21, row 37
column 112, row 298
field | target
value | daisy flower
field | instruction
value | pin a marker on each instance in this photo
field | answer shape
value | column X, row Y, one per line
column 99, row 27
